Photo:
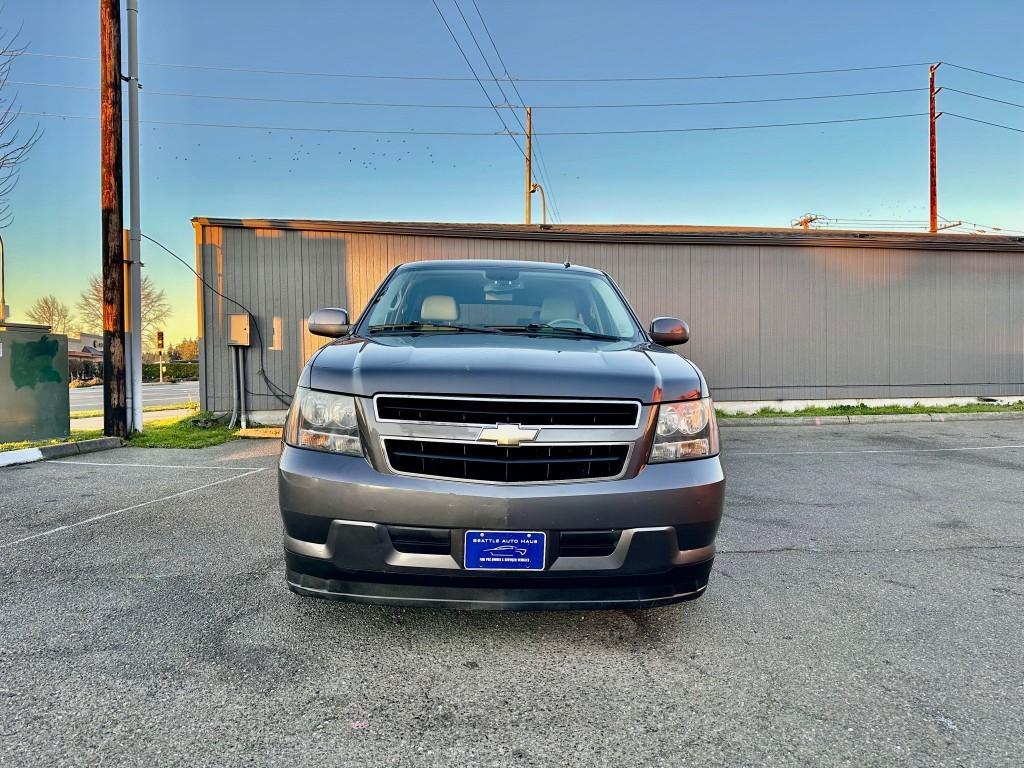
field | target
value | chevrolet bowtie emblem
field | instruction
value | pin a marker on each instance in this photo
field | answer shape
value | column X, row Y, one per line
column 507, row 434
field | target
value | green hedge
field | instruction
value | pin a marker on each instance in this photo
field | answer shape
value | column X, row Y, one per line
column 151, row 371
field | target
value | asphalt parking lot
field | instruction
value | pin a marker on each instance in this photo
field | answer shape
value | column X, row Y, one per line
column 866, row 609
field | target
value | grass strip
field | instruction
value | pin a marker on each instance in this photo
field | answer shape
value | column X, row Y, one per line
column 85, row 434
column 196, row 431
column 191, row 405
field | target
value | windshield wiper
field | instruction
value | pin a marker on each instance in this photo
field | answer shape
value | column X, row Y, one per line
column 420, row 327
column 577, row 332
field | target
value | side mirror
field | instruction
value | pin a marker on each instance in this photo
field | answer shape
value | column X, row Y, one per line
column 331, row 322
column 669, row 331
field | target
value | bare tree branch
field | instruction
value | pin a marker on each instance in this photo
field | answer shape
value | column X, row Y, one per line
column 51, row 311
column 14, row 147
column 156, row 309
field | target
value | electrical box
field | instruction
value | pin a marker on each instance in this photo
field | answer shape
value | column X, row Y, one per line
column 34, row 403
column 238, row 330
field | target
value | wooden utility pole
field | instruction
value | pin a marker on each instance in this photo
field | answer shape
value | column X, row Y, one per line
column 933, row 171
column 529, row 160
column 115, row 412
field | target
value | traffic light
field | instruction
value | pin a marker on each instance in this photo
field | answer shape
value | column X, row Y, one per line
column 159, row 339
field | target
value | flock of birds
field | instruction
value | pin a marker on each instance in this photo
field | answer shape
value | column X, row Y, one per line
column 369, row 159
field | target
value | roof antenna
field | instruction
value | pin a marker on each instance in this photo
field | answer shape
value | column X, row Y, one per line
column 567, row 264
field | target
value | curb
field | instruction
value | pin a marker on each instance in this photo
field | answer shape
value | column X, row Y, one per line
column 892, row 418
column 261, row 433
column 58, row 451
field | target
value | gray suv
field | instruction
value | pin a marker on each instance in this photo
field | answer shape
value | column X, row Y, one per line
column 497, row 434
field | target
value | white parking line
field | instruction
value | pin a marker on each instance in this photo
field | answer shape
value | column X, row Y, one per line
column 153, row 466
column 878, row 450
column 105, row 515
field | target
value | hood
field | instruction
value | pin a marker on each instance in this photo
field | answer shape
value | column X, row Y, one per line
column 514, row 366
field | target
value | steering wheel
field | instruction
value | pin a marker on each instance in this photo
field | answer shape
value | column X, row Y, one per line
column 567, row 322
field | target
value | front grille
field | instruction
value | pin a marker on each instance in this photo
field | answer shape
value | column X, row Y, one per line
column 497, row 464
column 537, row 413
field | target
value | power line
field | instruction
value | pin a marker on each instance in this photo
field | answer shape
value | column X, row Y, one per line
column 477, row 78
column 773, row 100
column 732, row 127
column 962, row 222
column 259, row 71
column 814, row 221
column 985, row 122
column 261, row 99
column 281, row 395
column 883, row 222
column 542, row 166
column 868, row 225
column 620, row 79
column 994, row 229
column 986, row 98
column 983, row 72
column 552, row 207
column 887, row 221
column 494, row 77
column 654, row 78
column 855, row 222
column 413, row 132
column 421, row 105
column 283, row 128
column 483, row 56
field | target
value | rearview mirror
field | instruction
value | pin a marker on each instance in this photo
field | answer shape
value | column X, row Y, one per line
column 669, row 331
column 330, row 321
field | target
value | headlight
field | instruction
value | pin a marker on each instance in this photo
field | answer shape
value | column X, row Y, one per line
column 324, row 422
column 685, row 430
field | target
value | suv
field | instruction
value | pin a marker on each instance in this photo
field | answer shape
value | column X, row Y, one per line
column 499, row 434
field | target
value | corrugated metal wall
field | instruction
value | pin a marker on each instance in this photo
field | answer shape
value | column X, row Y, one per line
column 766, row 321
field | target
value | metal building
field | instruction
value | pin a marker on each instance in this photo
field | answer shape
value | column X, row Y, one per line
column 773, row 314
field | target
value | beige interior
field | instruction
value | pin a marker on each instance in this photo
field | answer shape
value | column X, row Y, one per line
column 439, row 308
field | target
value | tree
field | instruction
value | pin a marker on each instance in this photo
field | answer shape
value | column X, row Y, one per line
column 51, row 311
column 156, row 309
column 186, row 349
column 14, row 146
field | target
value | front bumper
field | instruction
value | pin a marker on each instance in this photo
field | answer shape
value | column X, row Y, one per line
column 339, row 515
column 548, row 591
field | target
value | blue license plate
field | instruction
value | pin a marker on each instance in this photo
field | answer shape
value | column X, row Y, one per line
column 505, row 550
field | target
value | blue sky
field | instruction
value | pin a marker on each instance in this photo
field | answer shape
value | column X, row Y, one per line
column 754, row 177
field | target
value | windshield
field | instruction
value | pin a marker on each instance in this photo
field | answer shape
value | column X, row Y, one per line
column 501, row 300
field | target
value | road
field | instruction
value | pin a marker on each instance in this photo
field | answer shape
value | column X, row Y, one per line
column 91, row 398
column 865, row 610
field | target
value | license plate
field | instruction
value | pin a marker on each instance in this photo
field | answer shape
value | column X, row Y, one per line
column 505, row 550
